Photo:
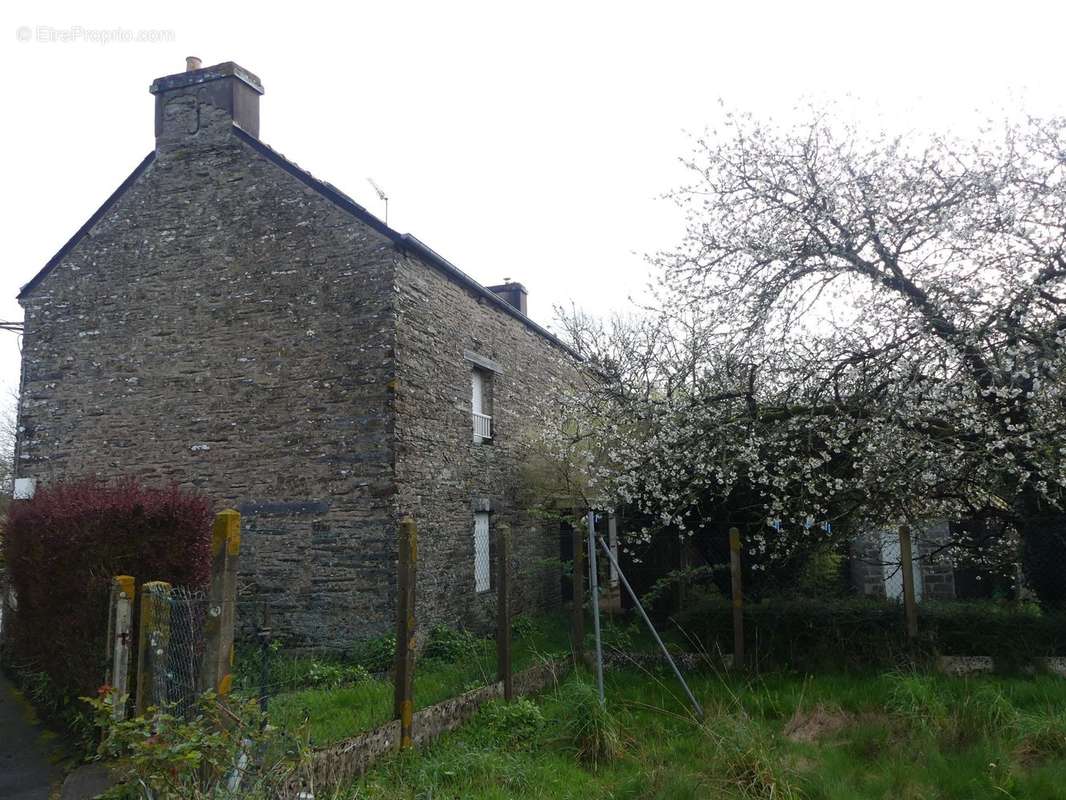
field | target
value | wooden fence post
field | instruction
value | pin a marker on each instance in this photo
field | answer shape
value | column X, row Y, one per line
column 153, row 643
column 119, row 642
column 682, row 565
column 503, row 609
column 738, row 598
column 403, row 702
column 910, row 606
column 614, row 589
column 215, row 674
column 579, row 591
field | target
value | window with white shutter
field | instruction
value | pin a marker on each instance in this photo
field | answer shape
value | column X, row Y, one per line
column 482, row 560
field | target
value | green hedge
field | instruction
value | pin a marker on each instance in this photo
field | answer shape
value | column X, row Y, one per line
column 855, row 634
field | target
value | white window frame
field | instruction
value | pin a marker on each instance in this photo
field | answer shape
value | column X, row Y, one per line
column 482, row 557
column 25, row 488
column 482, row 422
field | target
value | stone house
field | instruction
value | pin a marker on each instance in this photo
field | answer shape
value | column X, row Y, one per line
column 876, row 564
column 229, row 322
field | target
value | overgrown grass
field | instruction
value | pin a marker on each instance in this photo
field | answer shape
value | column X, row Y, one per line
column 899, row 735
column 778, row 736
column 452, row 663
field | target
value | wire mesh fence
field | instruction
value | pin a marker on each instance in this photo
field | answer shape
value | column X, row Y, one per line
column 188, row 612
column 173, row 622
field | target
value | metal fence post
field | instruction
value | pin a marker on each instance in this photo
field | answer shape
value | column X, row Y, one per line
column 503, row 609
column 215, row 674
column 910, row 606
column 738, row 598
column 594, row 599
column 153, row 644
column 403, row 699
column 696, row 707
column 120, row 642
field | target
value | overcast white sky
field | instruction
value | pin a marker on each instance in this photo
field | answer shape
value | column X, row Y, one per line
column 529, row 141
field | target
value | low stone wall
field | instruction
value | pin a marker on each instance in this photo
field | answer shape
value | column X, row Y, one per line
column 944, row 664
column 974, row 665
column 332, row 767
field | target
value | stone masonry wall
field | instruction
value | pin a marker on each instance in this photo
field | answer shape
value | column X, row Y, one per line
column 443, row 476
column 232, row 326
column 226, row 327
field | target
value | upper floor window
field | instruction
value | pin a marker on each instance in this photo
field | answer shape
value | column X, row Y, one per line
column 481, row 404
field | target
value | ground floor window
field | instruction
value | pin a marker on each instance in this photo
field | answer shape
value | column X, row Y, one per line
column 482, row 562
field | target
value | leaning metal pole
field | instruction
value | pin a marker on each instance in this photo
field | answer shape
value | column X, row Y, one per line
column 622, row 576
column 594, row 599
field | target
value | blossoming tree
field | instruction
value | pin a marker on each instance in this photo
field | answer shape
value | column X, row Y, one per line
column 854, row 327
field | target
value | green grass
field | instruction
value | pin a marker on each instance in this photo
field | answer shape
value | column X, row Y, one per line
column 329, row 715
column 905, row 736
column 899, row 734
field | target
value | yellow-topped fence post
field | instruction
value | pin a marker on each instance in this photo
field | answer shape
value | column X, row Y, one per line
column 216, row 669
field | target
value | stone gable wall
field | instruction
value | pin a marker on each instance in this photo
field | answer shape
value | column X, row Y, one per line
column 227, row 328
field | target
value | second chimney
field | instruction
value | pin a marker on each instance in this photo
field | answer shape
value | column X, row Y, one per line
column 514, row 293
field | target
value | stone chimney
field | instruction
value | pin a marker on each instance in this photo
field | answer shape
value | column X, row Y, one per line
column 514, row 293
column 202, row 102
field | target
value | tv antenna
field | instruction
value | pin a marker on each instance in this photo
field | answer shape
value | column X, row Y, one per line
column 382, row 195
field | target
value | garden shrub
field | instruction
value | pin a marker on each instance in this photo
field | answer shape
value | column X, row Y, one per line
column 450, row 645
column 516, row 724
column 166, row 756
column 375, row 655
column 62, row 549
column 860, row 633
column 524, row 626
column 273, row 672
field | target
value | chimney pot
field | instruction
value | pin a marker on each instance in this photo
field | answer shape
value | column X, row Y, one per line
column 192, row 63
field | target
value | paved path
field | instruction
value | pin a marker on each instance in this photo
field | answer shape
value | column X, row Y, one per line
column 29, row 753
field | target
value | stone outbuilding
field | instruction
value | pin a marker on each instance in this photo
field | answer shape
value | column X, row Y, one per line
column 228, row 322
column 876, row 563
